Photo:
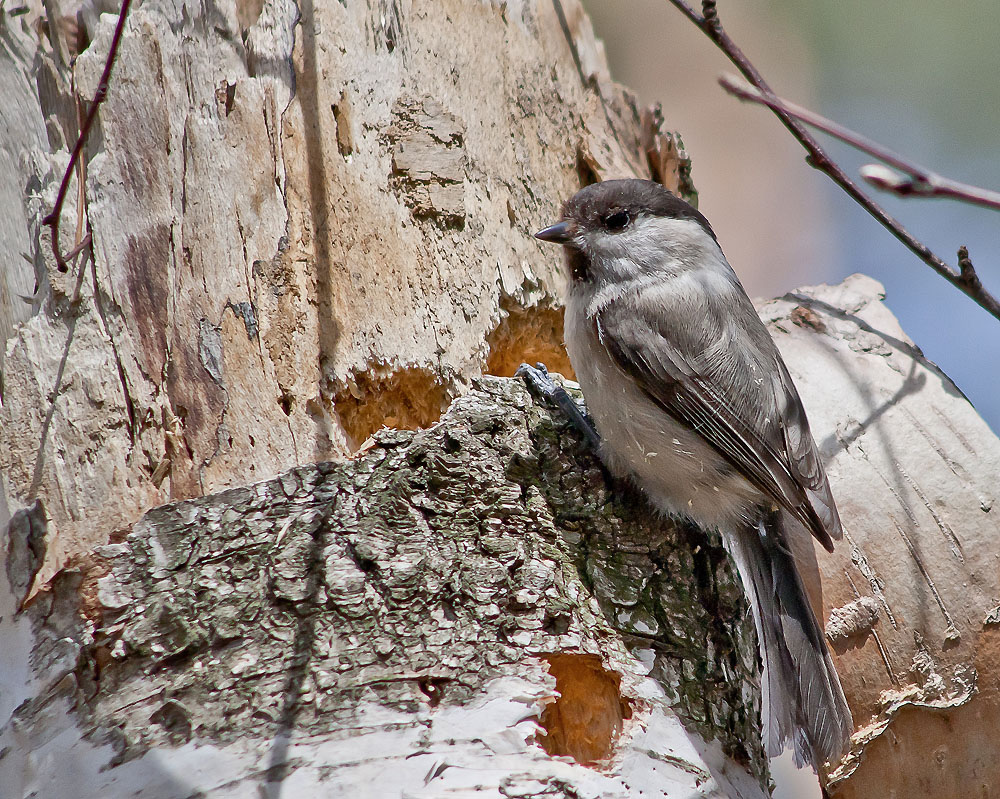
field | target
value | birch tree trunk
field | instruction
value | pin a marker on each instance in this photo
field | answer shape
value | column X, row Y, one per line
column 310, row 238
column 399, row 624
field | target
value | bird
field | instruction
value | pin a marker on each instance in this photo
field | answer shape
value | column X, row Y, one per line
column 693, row 403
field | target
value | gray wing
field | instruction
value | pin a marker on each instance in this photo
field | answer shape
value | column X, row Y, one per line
column 741, row 400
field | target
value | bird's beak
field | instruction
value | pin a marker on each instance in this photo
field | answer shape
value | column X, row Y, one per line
column 559, row 233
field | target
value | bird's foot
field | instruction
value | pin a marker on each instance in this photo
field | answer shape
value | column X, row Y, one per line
column 541, row 385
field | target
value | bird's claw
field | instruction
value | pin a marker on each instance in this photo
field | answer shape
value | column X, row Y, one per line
column 538, row 380
column 539, row 383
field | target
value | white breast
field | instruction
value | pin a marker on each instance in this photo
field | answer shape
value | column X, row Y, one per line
column 678, row 470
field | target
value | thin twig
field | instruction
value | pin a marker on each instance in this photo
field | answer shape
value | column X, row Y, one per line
column 84, row 243
column 916, row 180
column 51, row 220
column 81, row 169
column 708, row 22
column 929, row 185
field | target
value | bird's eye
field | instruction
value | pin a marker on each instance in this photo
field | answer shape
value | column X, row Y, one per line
column 617, row 220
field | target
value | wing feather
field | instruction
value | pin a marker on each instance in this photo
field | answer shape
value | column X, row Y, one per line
column 766, row 440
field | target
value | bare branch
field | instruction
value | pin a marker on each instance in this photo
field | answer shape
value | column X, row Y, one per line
column 708, row 22
column 916, row 180
column 51, row 219
column 930, row 185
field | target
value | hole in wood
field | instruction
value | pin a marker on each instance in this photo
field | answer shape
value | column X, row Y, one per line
column 411, row 398
column 586, row 168
column 528, row 335
column 342, row 116
column 586, row 720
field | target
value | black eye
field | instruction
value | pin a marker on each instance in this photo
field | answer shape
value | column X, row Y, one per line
column 616, row 220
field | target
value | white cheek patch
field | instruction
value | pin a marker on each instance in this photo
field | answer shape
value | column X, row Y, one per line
column 662, row 232
column 654, row 242
column 654, row 252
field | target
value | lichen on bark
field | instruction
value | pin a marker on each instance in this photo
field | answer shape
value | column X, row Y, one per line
column 411, row 576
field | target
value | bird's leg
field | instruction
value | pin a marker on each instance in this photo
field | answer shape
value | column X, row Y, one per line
column 540, row 384
column 545, row 388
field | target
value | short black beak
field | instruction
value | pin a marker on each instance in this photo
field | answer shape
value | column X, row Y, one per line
column 559, row 233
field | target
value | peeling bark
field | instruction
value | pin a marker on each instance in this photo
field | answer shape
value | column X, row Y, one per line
column 308, row 221
column 409, row 611
column 424, row 603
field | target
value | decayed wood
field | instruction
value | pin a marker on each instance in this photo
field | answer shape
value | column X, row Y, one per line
column 23, row 145
column 308, row 221
column 912, row 587
column 387, row 606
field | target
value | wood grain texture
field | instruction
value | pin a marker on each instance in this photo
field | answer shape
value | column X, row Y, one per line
column 308, row 222
column 913, row 468
column 313, row 220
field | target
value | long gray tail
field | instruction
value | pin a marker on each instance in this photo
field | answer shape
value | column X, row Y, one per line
column 803, row 703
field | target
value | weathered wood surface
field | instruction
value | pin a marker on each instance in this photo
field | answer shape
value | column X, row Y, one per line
column 367, row 606
column 912, row 590
column 308, row 221
column 386, row 626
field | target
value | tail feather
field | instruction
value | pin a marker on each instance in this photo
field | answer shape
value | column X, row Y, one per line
column 803, row 703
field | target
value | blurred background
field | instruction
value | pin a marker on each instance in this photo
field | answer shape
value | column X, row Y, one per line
column 919, row 76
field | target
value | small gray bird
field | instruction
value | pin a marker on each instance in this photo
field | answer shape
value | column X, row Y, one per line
column 693, row 403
